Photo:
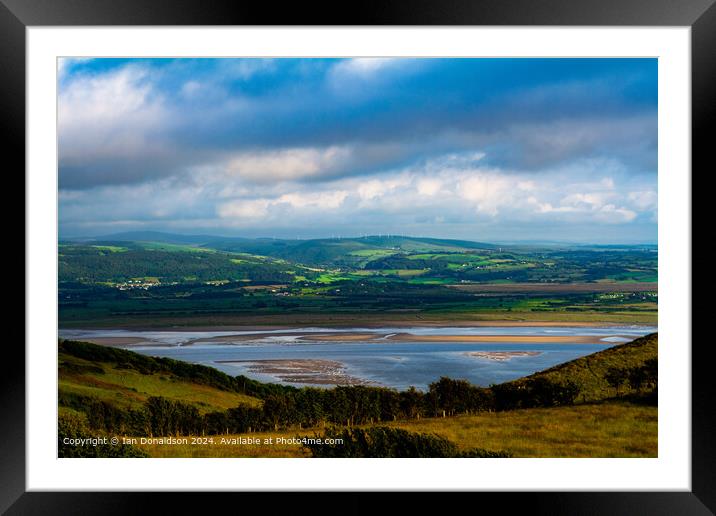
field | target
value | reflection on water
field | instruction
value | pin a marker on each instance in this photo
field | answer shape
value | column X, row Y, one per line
column 389, row 363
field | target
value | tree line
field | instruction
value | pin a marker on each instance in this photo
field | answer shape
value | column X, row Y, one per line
column 286, row 407
column 290, row 408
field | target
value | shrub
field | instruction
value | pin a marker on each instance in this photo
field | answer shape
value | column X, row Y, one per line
column 74, row 426
column 387, row 442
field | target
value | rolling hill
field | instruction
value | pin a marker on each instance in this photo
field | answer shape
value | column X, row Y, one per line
column 325, row 251
column 456, row 259
column 150, row 275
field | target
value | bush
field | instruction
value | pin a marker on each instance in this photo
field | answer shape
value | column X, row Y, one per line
column 74, row 426
column 387, row 442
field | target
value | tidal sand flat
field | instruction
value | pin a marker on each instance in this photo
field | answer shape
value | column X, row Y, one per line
column 303, row 371
column 390, row 356
column 237, row 338
column 570, row 339
column 501, row 356
column 119, row 342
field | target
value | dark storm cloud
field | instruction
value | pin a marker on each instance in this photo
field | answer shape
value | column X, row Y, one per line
column 527, row 113
column 469, row 148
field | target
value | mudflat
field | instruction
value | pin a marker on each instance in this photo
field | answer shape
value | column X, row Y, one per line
column 305, row 371
column 571, row 339
column 501, row 356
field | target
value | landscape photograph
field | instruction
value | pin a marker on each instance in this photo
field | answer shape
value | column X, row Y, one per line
column 357, row 257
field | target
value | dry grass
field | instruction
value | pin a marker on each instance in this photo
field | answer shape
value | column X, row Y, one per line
column 217, row 449
column 599, row 430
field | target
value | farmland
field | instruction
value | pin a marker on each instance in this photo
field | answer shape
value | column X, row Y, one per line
column 135, row 277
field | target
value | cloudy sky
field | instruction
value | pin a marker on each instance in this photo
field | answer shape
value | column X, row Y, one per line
column 481, row 149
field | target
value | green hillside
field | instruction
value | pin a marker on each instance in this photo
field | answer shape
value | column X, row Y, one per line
column 332, row 252
column 591, row 372
column 116, row 263
column 457, row 261
column 126, row 380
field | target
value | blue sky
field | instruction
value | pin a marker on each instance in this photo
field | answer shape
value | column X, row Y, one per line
column 482, row 149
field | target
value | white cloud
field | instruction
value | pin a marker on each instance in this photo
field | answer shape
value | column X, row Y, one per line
column 400, row 198
column 526, row 186
column 596, row 206
column 285, row 206
column 244, row 209
column 547, row 207
column 110, row 115
column 613, row 214
column 592, row 200
column 429, row 186
column 375, row 188
column 362, row 67
column 489, row 192
column 288, row 164
column 643, row 199
column 321, row 200
column 362, row 77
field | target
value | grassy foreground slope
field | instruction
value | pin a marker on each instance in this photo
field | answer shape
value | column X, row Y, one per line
column 100, row 386
column 609, row 429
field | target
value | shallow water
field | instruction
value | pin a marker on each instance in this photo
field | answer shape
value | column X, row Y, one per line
column 397, row 364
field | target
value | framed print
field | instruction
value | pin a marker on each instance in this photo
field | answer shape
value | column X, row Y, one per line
column 435, row 249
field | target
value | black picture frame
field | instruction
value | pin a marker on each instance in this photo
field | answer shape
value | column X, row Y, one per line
column 17, row 15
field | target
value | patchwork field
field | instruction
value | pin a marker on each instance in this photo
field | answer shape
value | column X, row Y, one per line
column 211, row 280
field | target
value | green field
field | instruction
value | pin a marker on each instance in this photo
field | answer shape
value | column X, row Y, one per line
column 109, row 282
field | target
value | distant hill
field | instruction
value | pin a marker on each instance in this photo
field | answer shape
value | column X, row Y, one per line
column 331, row 251
column 149, row 236
column 167, row 257
column 368, row 240
column 324, row 251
